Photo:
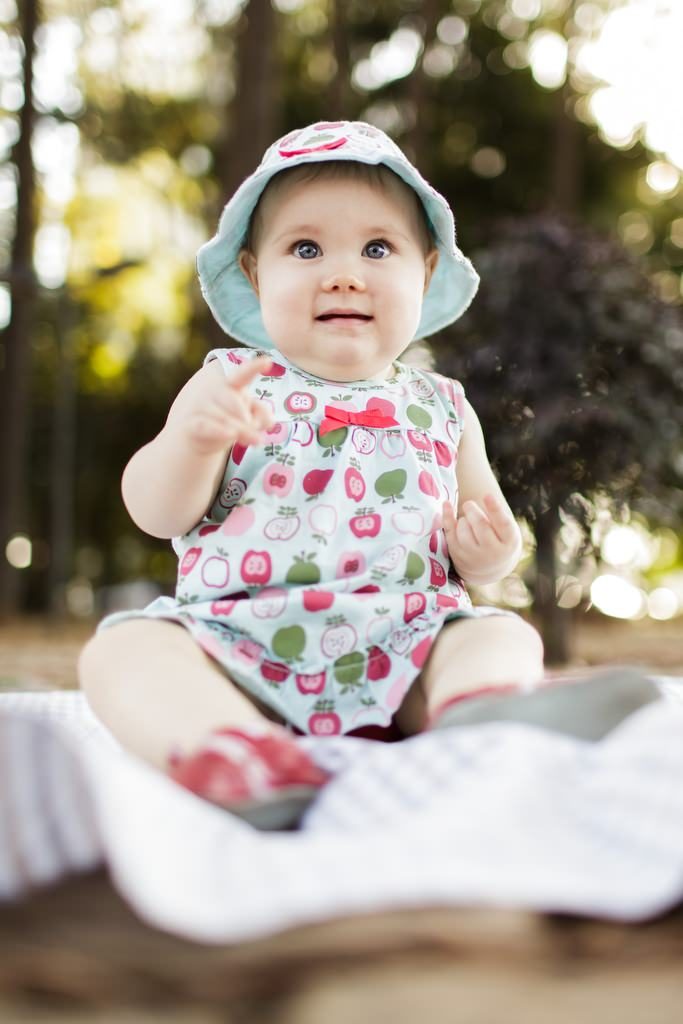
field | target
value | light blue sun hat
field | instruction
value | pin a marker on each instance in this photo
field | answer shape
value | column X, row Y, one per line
column 229, row 294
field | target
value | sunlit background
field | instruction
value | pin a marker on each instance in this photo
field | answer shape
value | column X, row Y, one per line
column 622, row 60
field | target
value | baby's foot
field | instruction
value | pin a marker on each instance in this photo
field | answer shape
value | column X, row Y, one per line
column 258, row 773
column 587, row 707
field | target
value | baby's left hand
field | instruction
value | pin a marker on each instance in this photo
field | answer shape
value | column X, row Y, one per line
column 484, row 543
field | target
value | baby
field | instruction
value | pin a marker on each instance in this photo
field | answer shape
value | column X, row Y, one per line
column 328, row 504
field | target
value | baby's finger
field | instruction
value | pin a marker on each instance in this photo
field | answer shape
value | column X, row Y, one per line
column 248, row 370
column 502, row 521
column 261, row 413
column 465, row 536
column 448, row 519
column 478, row 521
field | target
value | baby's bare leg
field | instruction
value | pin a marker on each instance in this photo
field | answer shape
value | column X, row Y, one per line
column 156, row 690
column 468, row 654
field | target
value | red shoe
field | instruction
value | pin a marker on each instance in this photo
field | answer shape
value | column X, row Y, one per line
column 261, row 775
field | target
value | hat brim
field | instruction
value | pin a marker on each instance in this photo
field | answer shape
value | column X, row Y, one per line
column 233, row 301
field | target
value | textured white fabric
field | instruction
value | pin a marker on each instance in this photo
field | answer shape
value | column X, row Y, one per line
column 495, row 814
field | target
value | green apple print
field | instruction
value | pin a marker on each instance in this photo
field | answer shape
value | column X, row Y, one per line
column 289, row 642
column 303, row 569
column 419, row 416
column 390, row 485
column 349, row 670
column 414, row 568
column 332, row 441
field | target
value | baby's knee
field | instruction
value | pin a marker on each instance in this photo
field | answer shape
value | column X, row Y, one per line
column 97, row 659
column 513, row 633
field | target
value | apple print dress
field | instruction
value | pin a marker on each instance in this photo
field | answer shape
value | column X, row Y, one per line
column 320, row 577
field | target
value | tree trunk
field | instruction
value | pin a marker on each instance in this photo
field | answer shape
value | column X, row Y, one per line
column 63, row 469
column 15, row 365
column 251, row 114
column 565, row 173
column 252, row 111
column 564, row 194
column 340, row 89
column 421, row 129
column 554, row 621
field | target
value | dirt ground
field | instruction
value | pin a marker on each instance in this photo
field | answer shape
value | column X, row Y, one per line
column 40, row 654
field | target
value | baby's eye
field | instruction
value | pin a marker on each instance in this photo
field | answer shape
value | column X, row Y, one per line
column 306, row 249
column 377, row 249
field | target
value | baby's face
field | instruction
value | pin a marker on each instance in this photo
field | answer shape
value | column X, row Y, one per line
column 340, row 272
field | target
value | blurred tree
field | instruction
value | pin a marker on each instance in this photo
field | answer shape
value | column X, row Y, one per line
column 16, row 345
column 573, row 364
column 172, row 103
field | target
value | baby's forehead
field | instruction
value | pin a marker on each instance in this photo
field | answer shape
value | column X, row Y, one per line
column 297, row 190
column 294, row 188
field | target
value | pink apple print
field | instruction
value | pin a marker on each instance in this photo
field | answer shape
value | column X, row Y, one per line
column 419, row 440
column 351, row 563
column 446, row 601
column 223, row 607
column 393, row 444
column 237, row 453
column 438, row 574
column 453, row 430
column 278, row 480
column 365, row 525
column 282, row 527
column 312, row 682
column 316, row 480
column 247, row 651
column 422, row 388
column 325, row 722
column 256, row 568
column 428, row 484
column 382, row 406
column 238, row 521
column 302, row 433
column 276, row 370
column 419, row 655
column 354, row 484
column 414, row 604
column 300, row 402
column 269, row 603
column 274, row 671
column 209, row 528
column 216, row 572
column 379, row 664
column 318, row 600
column 443, row 455
column 363, row 441
column 338, row 640
column 277, row 433
column 189, row 560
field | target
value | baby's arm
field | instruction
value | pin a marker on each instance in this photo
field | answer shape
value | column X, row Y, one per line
column 484, row 540
column 168, row 485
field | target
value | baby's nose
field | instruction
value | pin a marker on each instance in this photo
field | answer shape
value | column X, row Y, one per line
column 343, row 281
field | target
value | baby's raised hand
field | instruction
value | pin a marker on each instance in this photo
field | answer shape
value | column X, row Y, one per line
column 223, row 412
column 484, row 543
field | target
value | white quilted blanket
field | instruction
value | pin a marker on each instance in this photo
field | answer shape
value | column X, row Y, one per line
column 495, row 814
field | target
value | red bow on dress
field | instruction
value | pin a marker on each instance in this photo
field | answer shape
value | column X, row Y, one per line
column 334, row 418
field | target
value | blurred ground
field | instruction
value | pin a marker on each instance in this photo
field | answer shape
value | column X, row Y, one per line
column 37, row 654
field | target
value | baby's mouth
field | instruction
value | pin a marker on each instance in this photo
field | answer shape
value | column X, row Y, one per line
column 345, row 315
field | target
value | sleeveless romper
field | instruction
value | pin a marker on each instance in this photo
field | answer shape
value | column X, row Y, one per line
column 320, row 577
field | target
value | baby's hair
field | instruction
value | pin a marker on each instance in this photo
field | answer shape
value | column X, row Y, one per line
column 375, row 175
